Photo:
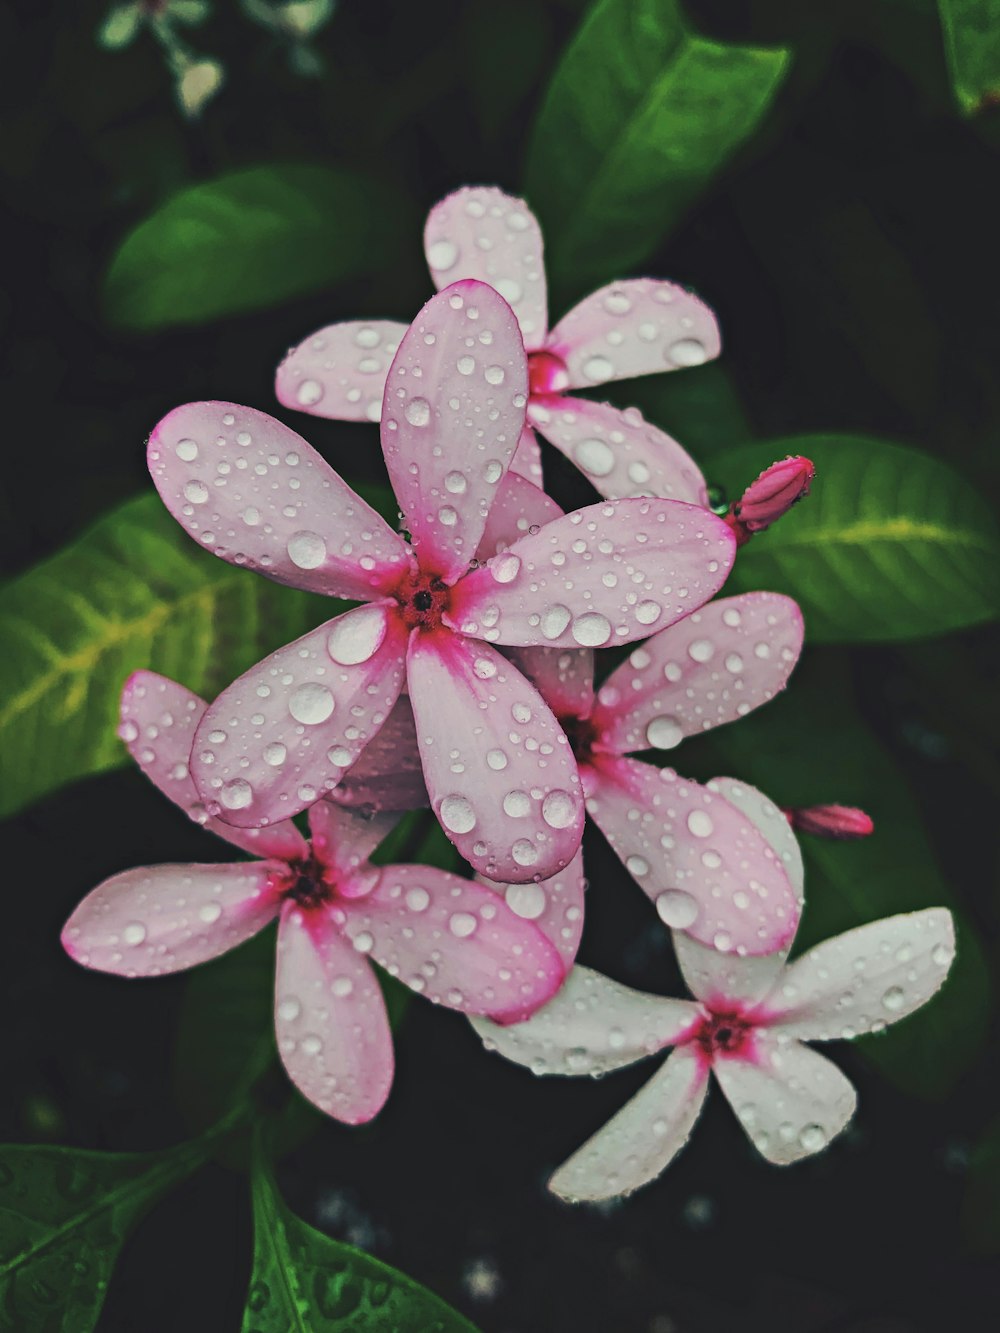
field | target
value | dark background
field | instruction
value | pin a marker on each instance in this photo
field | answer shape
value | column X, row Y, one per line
column 851, row 258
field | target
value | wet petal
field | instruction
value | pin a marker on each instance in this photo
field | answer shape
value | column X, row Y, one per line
column 866, row 978
column 499, row 770
column 159, row 919
column 619, row 453
column 773, row 826
column 638, row 327
column 520, row 507
column 604, row 575
column 724, row 979
column 480, row 232
column 790, row 1100
column 453, row 941
column 343, row 840
column 284, row 733
column 591, row 1026
column 642, row 1139
column 388, row 775
column 339, row 372
column 564, row 677
column 330, row 1019
column 527, row 460
column 454, row 412
column 253, row 492
column 703, row 863
column 158, row 722
column 710, row 668
column 555, row 906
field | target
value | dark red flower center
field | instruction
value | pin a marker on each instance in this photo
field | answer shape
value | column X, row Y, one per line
column 581, row 734
column 423, row 599
column 547, row 374
column 723, row 1032
column 309, row 886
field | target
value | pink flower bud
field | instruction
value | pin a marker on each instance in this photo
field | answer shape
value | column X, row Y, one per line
column 771, row 495
column 831, row 821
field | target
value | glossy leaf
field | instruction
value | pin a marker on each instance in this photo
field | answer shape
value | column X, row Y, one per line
column 972, row 43
column 64, row 1215
column 302, row 1281
column 248, row 240
column 641, row 115
column 890, row 543
column 132, row 592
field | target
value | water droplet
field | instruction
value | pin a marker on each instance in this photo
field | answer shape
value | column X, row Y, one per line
column 677, row 909
column 186, row 450
column 894, row 999
column 647, row 612
column 342, row 987
column 462, row 924
column 554, row 621
column 309, row 392
column 812, row 1137
column 525, row 900
column 941, row 955
column 196, row 492
column 701, row 650
column 517, row 804
column 494, row 374
column 210, row 913
column 663, row 733
column 311, row 1044
column 311, row 703
column 442, row 255
column 594, row 456
column 457, row 815
column 456, row 483
column 687, row 352
column 363, row 942
column 447, row 516
column 598, row 368
column 134, row 933
column 505, row 568
column 700, row 824
column 418, row 412
column 466, row 365
column 236, row 795
column 418, row 899
column 289, row 1009
column 275, row 754
column 591, row 629
column 637, row 866
column 559, row 809
column 524, row 852
column 307, row 550
column 357, row 636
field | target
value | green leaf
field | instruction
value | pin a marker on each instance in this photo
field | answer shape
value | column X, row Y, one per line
column 972, row 43
column 134, row 591
column 304, row 1282
column 248, row 240
column 641, row 114
column 64, row 1215
column 812, row 746
column 890, row 543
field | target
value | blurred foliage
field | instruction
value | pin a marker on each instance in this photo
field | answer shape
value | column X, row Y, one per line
column 981, row 1210
column 972, row 40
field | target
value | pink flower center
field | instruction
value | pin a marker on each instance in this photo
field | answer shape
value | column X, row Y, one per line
column 308, row 884
column 547, row 374
column 581, row 734
column 423, row 599
column 723, row 1032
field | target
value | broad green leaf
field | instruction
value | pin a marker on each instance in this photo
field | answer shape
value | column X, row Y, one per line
column 812, row 746
column 248, row 240
column 504, row 48
column 890, row 544
column 641, row 115
column 972, row 43
column 981, row 1206
column 304, row 1282
column 64, row 1215
column 134, row 591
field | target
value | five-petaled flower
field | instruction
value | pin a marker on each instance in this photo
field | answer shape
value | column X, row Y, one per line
column 449, row 939
column 747, row 1026
column 640, row 326
column 501, row 776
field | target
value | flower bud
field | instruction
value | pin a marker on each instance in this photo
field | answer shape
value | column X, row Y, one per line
column 831, row 821
column 771, row 495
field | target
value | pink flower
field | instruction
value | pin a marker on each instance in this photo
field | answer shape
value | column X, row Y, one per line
column 637, row 327
column 700, row 857
column 747, row 1027
column 449, row 939
column 287, row 731
column 774, row 492
column 831, row 821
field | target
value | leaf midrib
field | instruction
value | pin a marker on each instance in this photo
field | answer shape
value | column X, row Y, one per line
column 899, row 529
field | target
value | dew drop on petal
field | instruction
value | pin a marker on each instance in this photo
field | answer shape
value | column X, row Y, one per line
column 418, row 412
column 894, row 998
column 186, row 450
column 525, row 900
column 457, row 815
column 236, row 795
column 311, row 703
column 700, row 824
column 462, row 924
column 417, row 899
column 275, row 754
column 307, row 550
column 517, row 804
column 677, row 909
column 134, row 933
column 594, row 457
column 559, row 809
column 524, row 852
column 663, row 733
column 687, row 352
column 442, row 255
column 309, row 392
column 356, row 637
column 591, row 629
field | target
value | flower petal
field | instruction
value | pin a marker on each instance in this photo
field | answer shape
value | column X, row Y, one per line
column 773, row 825
column 159, row 919
column 159, row 720
column 604, row 575
column 790, row 1100
column 619, row 453
column 343, row 840
column 704, row 864
column 499, row 770
column 453, row 415
column 330, row 1019
column 284, row 733
column 520, row 507
column 709, row 668
column 866, row 978
column 454, row 941
column 254, row 493
column 642, row 1139
column 721, row 980
column 555, row 905
column 388, row 775
column 639, row 327
column 527, row 460
column 480, row 232
column 339, row 372
column 564, row 677
column 591, row 1026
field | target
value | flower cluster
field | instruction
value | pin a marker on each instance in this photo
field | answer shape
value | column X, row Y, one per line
column 464, row 680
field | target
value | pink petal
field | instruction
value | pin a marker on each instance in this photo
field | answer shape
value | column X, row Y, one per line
column 607, row 574
column 254, row 493
column 709, row 668
column 453, row 415
column 284, row 733
column 454, row 941
column 619, row 453
column 638, row 327
column 564, row 677
column 388, row 775
column 703, row 863
column 339, row 372
column 480, row 232
column 790, row 1100
column 555, row 906
column 865, row 979
column 592, row 1025
column 722, row 980
column 527, row 460
column 520, row 507
column 159, row 719
column 499, row 770
column 330, row 1019
column 773, row 826
column 343, row 840
column 642, row 1139
column 159, row 919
